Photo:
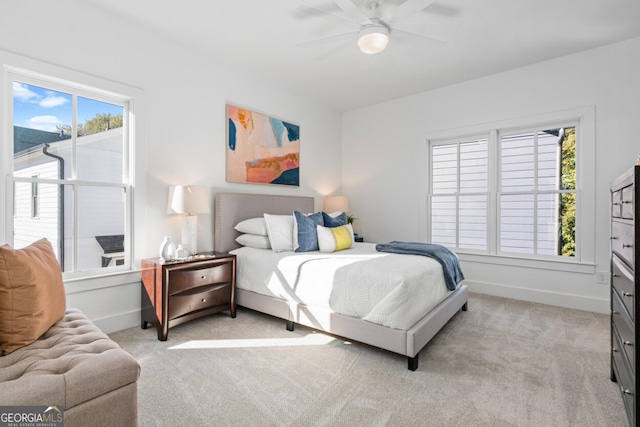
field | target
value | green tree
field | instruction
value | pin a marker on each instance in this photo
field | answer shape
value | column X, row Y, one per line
column 100, row 123
column 568, row 201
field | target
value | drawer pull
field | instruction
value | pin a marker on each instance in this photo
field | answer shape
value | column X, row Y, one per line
column 613, row 349
column 624, row 245
column 204, row 300
column 616, row 203
column 613, row 238
column 203, row 277
column 628, row 343
column 627, row 392
column 627, row 294
column 615, row 312
column 626, row 202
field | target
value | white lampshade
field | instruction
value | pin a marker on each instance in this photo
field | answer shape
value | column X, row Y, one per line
column 373, row 38
column 336, row 204
column 188, row 199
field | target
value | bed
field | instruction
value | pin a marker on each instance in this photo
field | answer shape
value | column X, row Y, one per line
column 231, row 208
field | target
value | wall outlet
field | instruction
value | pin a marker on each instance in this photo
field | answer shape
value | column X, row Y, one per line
column 602, row 277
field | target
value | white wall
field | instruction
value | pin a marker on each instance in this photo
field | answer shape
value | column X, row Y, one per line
column 182, row 125
column 182, row 134
column 384, row 157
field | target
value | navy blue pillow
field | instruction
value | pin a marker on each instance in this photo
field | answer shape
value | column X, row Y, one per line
column 331, row 222
column 307, row 232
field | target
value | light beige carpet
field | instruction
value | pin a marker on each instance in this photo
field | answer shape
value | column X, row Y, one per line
column 502, row 363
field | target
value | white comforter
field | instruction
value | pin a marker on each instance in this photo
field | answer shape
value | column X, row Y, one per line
column 387, row 289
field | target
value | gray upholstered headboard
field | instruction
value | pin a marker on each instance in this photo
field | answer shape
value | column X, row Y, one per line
column 231, row 208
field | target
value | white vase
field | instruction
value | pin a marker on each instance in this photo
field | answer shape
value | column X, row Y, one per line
column 167, row 248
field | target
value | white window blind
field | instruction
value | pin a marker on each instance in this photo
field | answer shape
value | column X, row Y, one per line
column 459, row 194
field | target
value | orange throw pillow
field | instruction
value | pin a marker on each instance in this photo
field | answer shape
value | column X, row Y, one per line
column 32, row 294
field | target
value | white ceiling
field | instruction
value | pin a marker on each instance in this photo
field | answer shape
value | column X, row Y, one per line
column 478, row 38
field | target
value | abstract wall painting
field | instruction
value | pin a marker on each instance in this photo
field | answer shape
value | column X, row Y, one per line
column 261, row 149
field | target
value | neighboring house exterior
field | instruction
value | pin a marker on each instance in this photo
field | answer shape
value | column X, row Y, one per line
column 39, row 206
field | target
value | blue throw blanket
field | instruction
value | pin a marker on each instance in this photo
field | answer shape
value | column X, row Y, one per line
column 449, row 261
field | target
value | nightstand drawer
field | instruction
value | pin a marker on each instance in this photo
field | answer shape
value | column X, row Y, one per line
column 189, row 302
column 622, row 280
column 624, row 328
column 181, row 280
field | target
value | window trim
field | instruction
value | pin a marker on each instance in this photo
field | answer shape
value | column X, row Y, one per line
column 584, row 117
column 80, row 85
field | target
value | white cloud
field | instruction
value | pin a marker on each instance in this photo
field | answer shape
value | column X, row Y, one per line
column 22, row 93
column 47, row 123
column 53, row 101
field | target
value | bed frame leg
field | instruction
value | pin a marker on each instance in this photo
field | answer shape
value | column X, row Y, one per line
column 413, row 362
column 464, row 307
column 290, row 325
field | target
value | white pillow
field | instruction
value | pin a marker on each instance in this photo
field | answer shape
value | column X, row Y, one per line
column 254, row 241
column 280, row 232
column 335, row 239
column 252, row 226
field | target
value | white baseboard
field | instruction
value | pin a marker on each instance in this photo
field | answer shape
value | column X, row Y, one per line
column 576, row 302
column 130, row 319
column 118, row 321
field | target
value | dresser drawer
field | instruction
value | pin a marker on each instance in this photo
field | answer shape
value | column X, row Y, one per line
column 623, row 282
column 181, row 280
column 622, row 235
column 624, row 375
column 189, row 302
column 624, row 327
column 627, row 202
column 616, row 204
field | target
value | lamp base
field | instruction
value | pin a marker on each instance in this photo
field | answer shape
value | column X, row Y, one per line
column 190, row 234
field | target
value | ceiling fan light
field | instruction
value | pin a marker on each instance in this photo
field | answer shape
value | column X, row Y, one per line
column 373, row 39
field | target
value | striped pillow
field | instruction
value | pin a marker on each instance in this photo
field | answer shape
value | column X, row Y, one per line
column 335, row 239
column 280, row 232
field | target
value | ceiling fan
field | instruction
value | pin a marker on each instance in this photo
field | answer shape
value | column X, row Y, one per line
column 376, row 24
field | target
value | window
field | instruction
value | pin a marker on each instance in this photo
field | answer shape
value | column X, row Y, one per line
column 506, row 192
column 71, row 172
column 537, row 192
column 459, row 194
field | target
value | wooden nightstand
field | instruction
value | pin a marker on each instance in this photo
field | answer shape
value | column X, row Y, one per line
column 178, row 291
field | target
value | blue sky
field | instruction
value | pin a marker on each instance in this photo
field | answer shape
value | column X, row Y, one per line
column 39, row 108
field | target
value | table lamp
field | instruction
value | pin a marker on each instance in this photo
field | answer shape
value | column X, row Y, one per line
column 189, row 200
column 336, row 204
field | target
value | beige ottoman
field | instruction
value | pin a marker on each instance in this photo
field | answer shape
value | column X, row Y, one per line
column 76, row 366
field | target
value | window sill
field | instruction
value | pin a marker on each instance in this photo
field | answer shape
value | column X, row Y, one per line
column 74, row 285
column 566, row 265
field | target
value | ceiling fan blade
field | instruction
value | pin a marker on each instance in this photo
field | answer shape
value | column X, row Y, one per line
column 353, row 11
column 340, row 47
column 409, row 8
column 397, row 30
column 331, row 39
column 304, row 11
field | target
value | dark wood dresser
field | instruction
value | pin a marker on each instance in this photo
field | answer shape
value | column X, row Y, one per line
column 624, row 285
column 178, row 291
